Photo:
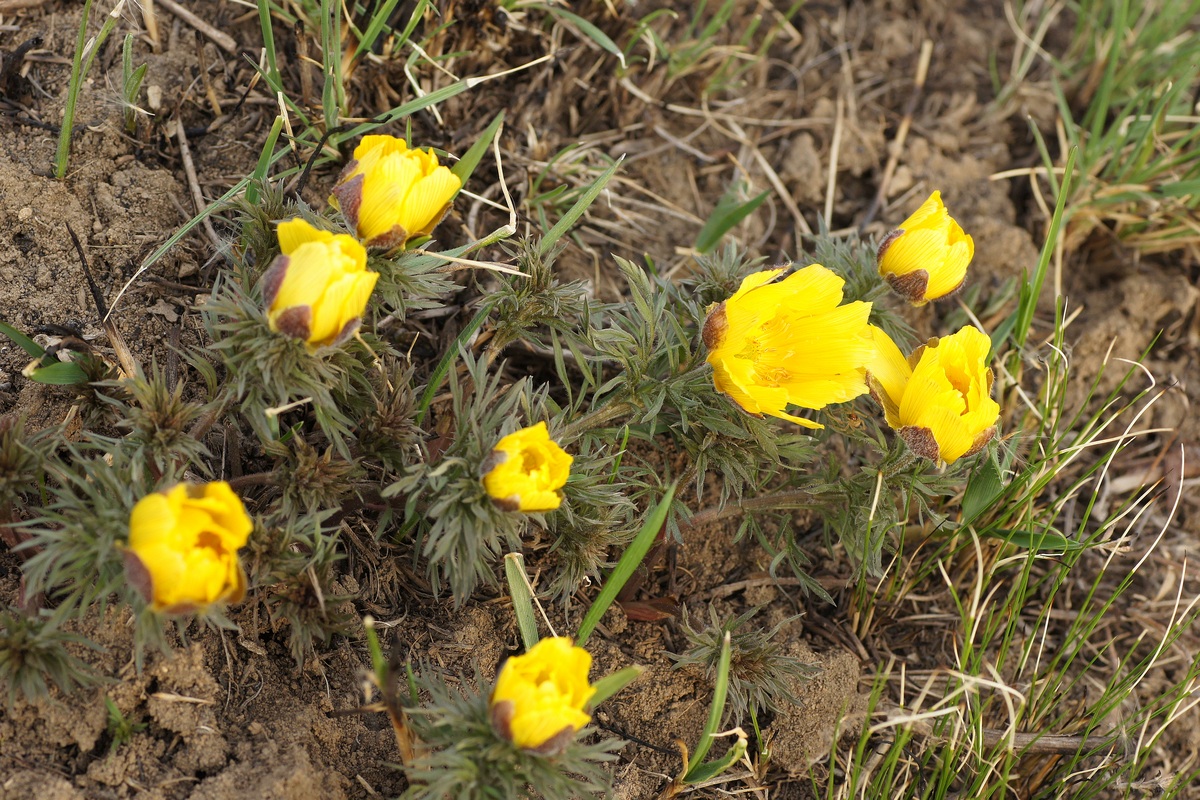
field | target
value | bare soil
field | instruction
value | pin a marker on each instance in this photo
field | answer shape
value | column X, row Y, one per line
column 230, row 714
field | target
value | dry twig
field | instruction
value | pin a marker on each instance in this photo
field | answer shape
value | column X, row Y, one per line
column 222, row 40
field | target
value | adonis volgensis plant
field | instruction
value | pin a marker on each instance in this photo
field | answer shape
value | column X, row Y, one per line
column 501, row 419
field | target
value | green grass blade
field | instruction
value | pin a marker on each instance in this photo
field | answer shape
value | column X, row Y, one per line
column 24, row 342
column 522, row 599
column 268, row 35
column 1031, row 290
column 609, row 685
column 412, row 106
column 68, row 122
column 589, row 30
column 331, row 57
column 705, row 772
column 466, row 165
column 983, row 488
column 1041, row 540
column 379, row 664
column 97, row 43
column 63, row 373
column 259, row 176
column 624, row 569
column 715, row 711
column 376, row 25
column 729, row 212
column 576, row 211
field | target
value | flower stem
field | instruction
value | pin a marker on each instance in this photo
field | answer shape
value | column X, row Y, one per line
column 594, row 419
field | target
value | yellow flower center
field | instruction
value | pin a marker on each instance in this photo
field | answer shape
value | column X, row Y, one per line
column 532, row 460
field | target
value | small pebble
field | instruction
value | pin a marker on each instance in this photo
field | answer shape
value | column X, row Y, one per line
column 25, row 214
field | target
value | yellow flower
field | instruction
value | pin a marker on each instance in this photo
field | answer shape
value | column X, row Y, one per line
column 183, row 543
column 390, row 194
column 317, row 288
column 927, row 256
column 526, row 470
column 938, row 400
column 539, row 700
column 774, row 344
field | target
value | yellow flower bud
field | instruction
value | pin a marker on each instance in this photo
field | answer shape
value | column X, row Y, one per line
column 526, row 471
column 789, row 342
column 938, row 400
column 183, row 543
column 927, row 256
column 317, row 288
column 390, row 194
column 540, row 697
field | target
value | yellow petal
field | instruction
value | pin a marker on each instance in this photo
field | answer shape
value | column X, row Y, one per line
column 931, row 213
column 384, row 190
column 379, row 145
column 297, row 231
column 427, row 198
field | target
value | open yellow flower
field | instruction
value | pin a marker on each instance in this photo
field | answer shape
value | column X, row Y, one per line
column 390, row 194
column 526, row 471
column 789, row 342
column 927, row 256
column 938, row 400
column 540, row 697
column 317, row 289
column 183, row 543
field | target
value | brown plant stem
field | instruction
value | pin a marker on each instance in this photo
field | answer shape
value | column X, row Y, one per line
column 594, row 419
column 254, row 479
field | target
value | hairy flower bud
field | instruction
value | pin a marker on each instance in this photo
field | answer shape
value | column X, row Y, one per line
column 938, row 400
column 183, row 543
column 540, row 697
column 390, row 194
column 318, row 287
column 789, row 342
column 927, row 256
column 526, row 471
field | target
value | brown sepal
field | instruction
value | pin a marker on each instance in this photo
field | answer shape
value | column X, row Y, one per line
column 920, row 441
column 981, row 441
column 502, row 717
column 875, row 388
column 886, row 243
column 137, row 576
column 493, row 460
column 351, row 165
column 714, row 327
column 295, row 322
column 272, row 279
column 349, row 197
column 910, row 286
column 556, row 744
column 511, row 503
column 346, row 332
column 389, row 240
